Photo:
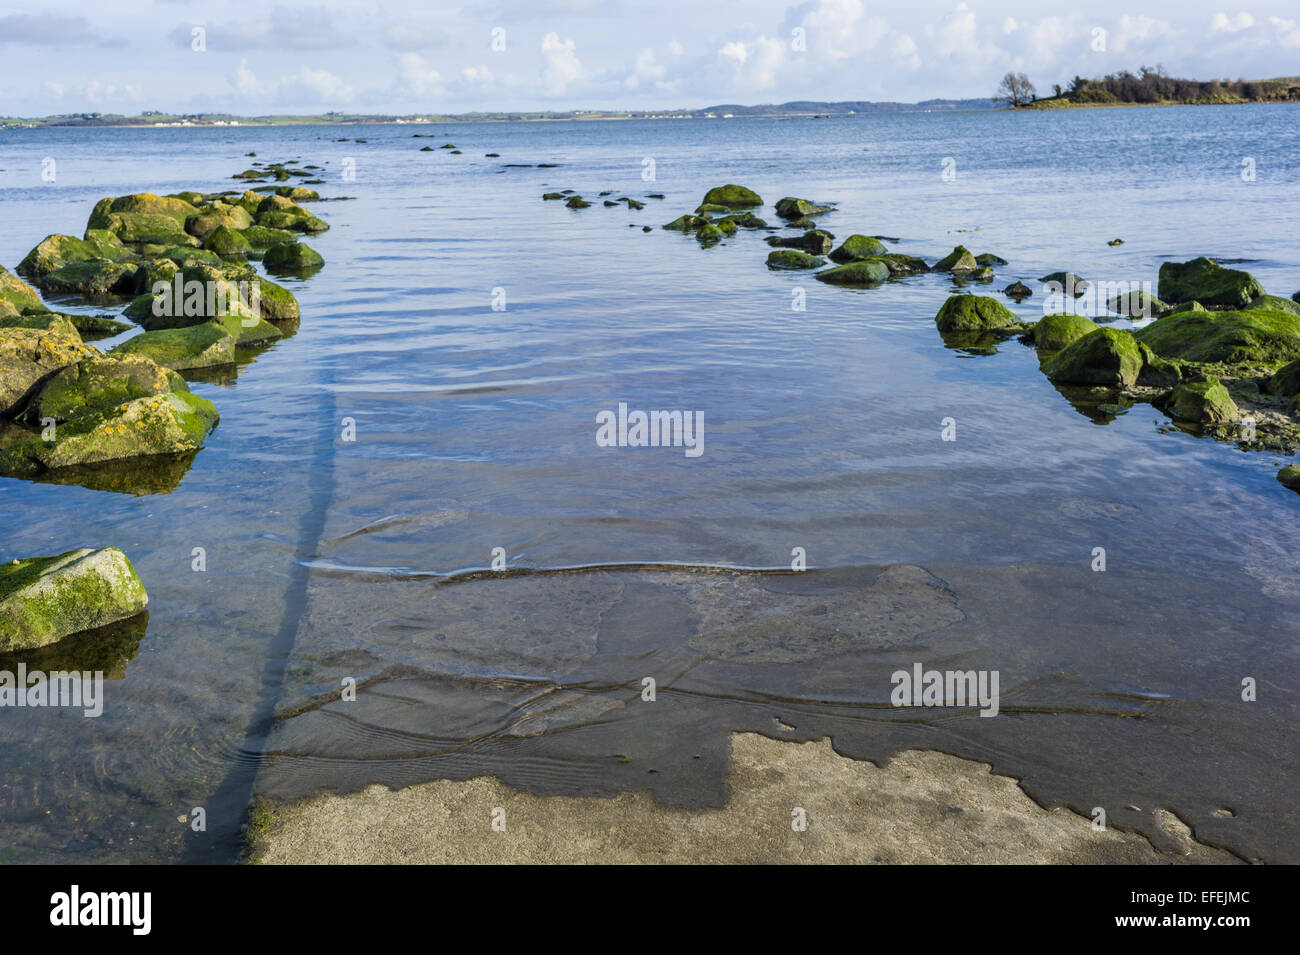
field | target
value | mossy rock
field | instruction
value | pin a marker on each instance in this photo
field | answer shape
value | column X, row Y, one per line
column 218, row 216
column 793, row 259
column 745, row 220
column 726, row 227
column 298, row 193
column 858, row 247
column 1018, row 290
column 295, row 257
column 91, row 277
column 546, row 195
column 278, row 303
column 45, row 599
column 19, row 294
column 707, row 207
column 190, row 196
column 1137, row 303
column 185, row 257
column 248, row 330
column 150, row 230
column 1107, row 357
column 261, row 237
column 792, row 208
column 52, row 252
column 107, row 245
column 249, row 174
column 1070, row 283
column 1289, row 477
column 687, row 223
column 709, row 234
column 1204, row 402
column 98, row 384
column 227, row 243
column 814, row 242
column 577, row 202
column 205, row 345
column 633, row 204
column 43, row 321
column 731, row 196
column 1204, row 280
column 958, row 260
column 1158, row 372
column 1054, row 332
column 1255, row 336
column 1275, row 303
column 899, row 264
column 141, row 203
column 1285, row 382
column 174, row 423
column 974, row 313
column 867, row 272
column 989, row 259
column 28, row 355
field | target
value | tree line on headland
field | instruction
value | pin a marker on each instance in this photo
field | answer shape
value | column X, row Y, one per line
column 1149, row 85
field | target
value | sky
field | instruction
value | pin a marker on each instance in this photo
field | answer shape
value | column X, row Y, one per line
column 263, row 56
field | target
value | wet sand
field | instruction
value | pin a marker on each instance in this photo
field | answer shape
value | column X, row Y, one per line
column 921, row 807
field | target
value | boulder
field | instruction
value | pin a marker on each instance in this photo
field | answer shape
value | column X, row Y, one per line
column 1136, row 304
column 686, row 223
column 19, row 294
column 52, row 252
column 1255, row 336
column 1054, row 332
column 974, row 313
column 197, row 346
column 989, row 259
column 29, row 355
column 261, row 237
column 44, row 599
column 792, row 208
column 732, row 197
column 1204, row 280
column 1204, row 402
column 1107, row 357
column 858, row 247
column 866, row 272
column 745, row 220
column 577, row 202
column 1070, row 284
column 98, row 384
column 1289, row 477
column 91, row 277
column 958, row 260
column 292, row 257
column 1275, row 302
column 1285, row 382
column 709, row 234
column 227, row 243
column 815, row 242
column 1018, row 290
column 899, row 264
column 793, row 259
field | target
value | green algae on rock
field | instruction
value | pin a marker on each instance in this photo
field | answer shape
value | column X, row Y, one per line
column 709, row 234
column 814, row 242
column 1204, row 401
column 292, row 257
column 1136, row 303
column 198, row 346
column 53, row 252
column 958, row 260
column 1289, row 477
column 793, row 259
column 44, row 599
column 1204, row 280
column 732, row 196
column 228, row 243
column 792, row 208
column 27, row 355
column 1107, row 357
column 989, row 259
column 90, row 278
column 98, row 384
column 1054, row 332
column 1285, row 382
column 865, row 272
column 1067, row 282
column 974, row 313
column 900, row 264
column 856, row 248
column 686, row 223
column 1253, row 336
column 577, row 202
column 19, row 294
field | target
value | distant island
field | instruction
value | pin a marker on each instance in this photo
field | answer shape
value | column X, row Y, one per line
column 1149, row 86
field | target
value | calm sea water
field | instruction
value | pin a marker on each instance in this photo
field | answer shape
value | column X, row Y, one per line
column 330, row 560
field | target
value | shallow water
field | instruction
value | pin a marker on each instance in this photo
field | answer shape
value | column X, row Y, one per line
column 475, row 429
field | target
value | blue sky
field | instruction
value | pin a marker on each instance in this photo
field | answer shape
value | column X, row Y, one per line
column 262, row 57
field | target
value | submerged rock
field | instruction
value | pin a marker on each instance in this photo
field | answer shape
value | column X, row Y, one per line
column 1107, row 357
column 974, row 313
column 44, row 599
column 899, row 264
column 816, row 242
column 1136, row 304
column 958, row 260
column 866, row 272
column 1255, row 336
column 745, row 220
column 793, row 259
column 546, row 195
column 709, row 234
column 1204, row 402
column 295, row 257
column 858, row 247
column 1289, row 477
column 1070, row 283
column 1204, row 280
column 989, row 259
column 577, row 202
column 732, row 197
column 687, row 223
column 1054, row 332
column 792, row 208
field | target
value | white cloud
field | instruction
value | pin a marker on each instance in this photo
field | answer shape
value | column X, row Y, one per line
column 417, row 78
column 561, row 67
column 1222, row 23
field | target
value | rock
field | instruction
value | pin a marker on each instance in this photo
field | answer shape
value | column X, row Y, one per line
column 1276, row 303
column 816, row 242
column 19, row 294
column 989, row 259
column 858, row 247
column 1205, row 402
column 726, row 227
column 1285, row 382
column 1107, row 357
column 227, row 243
column 633, row 204
column 295, row 257
column 98, row 384
column 180, row 349
column 278, row 303
column 1070, row 284
column 577, row 202
column 1256, row 336
column 793, row 259
column 644, row 228
column 1157, row 372
column 1289, row 477
column 280, row 212
column 709, row 234
column 144, row 219
column 107, row 245
column 249, row 174
column 218, row 216
column 52, row 252
column 1054, row 332
column 1136, row 304
column 545, row 195
column 1205, row 281
column 91, row 277
column 982, row 274
column 745, row 220
column 732, row 197
column 709, row 207
column 686, row 223
column 28, row 355
column 261, row 237
column 1115, row 242
column 866, row 272
column 899, row 264
column 958, row 260
column 43, row 321
column 974, row 313
column 791, row 208
column 44, row 599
